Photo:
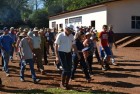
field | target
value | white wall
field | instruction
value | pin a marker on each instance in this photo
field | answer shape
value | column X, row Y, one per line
column 119, row 15
column 99, row 14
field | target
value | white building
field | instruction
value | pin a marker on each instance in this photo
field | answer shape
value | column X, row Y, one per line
column 124, row 15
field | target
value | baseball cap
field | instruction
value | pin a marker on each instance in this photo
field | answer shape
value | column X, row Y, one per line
column 5, row 28
column 70, row 27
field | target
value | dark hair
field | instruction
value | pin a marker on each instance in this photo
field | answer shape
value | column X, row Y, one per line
column 105, row 26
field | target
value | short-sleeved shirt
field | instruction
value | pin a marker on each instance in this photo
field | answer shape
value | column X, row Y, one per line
column 104, row 38
column 64, row 42
column 6, row 42
column 110, row 36
column 36, row 42
column 13, row 36
column 26, row 50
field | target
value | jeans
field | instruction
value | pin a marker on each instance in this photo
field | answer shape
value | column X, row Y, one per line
column 110, row 46
column 51, row 44
column 97, row 55
column 66, row 62
column 31, row 64
column 5, row 56
column 11, row 53
column 82, row 64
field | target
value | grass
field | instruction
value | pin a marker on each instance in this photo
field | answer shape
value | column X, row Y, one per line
column 42, row 91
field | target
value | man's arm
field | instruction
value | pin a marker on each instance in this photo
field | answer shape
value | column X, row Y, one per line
column 56, row 52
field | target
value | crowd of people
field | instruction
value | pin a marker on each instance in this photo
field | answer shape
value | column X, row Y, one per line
column 71, row 47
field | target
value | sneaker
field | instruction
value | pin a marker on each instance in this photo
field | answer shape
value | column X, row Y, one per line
column 113, row 62
column 104, row 68
column 43, row 72
column 88, row 80
column 7, row 74
column 22, row 80
column 36, row 81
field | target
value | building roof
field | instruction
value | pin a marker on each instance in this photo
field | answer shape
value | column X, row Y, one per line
column 93, row 5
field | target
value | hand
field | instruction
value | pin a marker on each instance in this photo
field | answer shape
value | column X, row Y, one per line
column 22, row 57
column 57, row 60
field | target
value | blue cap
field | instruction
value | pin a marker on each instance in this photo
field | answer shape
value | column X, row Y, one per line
column 5, row 28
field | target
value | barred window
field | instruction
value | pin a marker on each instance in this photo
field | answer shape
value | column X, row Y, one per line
column 135, row 22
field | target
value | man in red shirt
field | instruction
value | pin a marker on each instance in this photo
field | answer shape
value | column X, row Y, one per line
column 105, row 47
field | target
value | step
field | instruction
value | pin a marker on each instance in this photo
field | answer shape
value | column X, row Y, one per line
column 122, row 40
column 128, row 42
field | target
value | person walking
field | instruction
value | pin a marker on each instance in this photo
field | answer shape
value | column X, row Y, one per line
column 6, row 45
column 37, row 51
column 13, row 36
column 104, row 48
column 111, row 41
column 26, row 52
column 79, row 44
column 63, row 45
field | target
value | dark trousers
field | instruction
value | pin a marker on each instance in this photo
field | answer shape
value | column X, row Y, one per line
column 50, row 44
column 89, row 62
column 45, row 56
column 82, row 64
column 66, row 62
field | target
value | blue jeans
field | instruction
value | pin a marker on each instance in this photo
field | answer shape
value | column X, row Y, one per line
column 66, row 62
column 5, row 56
column 82, row 64
column 11, row 53
column 31, row 64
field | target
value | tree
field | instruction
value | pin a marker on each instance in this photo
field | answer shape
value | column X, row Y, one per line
column 39, row 18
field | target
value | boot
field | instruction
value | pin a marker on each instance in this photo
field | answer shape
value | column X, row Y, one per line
column 67, row 82
column 62, row 84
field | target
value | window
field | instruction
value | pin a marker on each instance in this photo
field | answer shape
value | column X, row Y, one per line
column 75, row 19
column 53, row 24
column 135, row 22
column 66, row 21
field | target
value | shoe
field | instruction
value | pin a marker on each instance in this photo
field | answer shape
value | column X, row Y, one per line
column 62, row 86
column 43, row 72
column 22, row 80
column 7, row 74
column 113, row 62
column 88, row 80
column 104, row 68
column 36, row 81
column 107, row 66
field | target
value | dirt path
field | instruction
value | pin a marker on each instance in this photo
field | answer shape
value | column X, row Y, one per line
column 121, row 79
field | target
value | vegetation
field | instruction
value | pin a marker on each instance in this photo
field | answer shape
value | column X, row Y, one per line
column 28, row 12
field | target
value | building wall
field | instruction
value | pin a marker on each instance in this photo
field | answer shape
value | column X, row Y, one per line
column 120, row 13
column 99, row 14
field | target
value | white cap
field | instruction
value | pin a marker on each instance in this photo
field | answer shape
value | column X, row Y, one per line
column 69, row 27
column 87, row 33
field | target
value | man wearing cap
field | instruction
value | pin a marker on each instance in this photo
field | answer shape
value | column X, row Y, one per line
column 63, row 45
column 25, row 49
column 6, row 44
column 13, row 35
column 37, row 51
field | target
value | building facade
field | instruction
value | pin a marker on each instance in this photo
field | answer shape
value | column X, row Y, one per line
column 124, row 15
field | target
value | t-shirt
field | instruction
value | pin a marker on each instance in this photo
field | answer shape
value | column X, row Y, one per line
column 64, row 42
column 13, row 36
column 104, row 38
column 26, row 50
column 6, row 42
column 110, row 36
column 36, row 42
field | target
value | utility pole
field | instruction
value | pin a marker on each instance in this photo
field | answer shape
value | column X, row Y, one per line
column 36, row 5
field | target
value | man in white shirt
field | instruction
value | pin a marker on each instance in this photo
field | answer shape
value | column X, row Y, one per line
column 37, row 51
column 63, row 46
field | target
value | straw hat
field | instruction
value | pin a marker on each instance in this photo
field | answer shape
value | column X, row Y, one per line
column 22, row 34
column 35, row 29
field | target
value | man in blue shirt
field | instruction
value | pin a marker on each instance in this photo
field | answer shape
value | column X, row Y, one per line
column 6, row 44
column 13, row 36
